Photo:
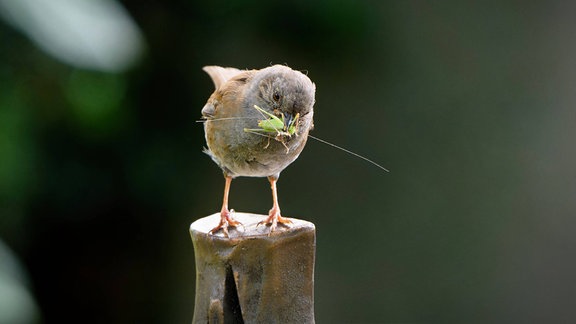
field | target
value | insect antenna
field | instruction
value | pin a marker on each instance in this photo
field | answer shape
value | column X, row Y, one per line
column 223, row 118
column 349, row 152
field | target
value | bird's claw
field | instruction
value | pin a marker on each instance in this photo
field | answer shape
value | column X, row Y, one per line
column 274, row 219
column 225, row 221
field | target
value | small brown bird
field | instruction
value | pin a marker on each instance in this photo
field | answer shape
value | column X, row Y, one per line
column 243, row 130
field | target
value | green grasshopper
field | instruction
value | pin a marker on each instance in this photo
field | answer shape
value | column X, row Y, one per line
column 275, row 127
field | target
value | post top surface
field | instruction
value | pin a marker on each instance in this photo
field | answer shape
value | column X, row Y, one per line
column 249, row 227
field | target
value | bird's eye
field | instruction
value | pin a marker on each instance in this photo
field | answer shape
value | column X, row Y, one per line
column 276, row 96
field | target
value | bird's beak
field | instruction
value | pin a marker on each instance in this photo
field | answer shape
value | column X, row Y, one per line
column 288, row 118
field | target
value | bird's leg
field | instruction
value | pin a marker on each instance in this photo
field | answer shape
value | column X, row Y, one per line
column 274, row 214
column 225, row 214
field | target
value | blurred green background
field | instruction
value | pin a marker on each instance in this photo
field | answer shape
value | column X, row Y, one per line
column 470, row 105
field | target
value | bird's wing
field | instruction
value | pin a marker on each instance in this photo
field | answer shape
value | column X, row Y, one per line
column 229, row 91
column 208, row 110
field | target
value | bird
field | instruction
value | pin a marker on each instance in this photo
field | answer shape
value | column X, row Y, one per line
column 237, row 119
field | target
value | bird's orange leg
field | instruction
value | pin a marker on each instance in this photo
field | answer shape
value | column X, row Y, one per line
column 274, row 214
column 225, row 214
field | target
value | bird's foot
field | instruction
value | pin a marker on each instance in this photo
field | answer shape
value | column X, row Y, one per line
column 226, row 220
column 274, row 219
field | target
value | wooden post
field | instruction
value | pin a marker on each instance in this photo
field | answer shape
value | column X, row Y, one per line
column 253, row 277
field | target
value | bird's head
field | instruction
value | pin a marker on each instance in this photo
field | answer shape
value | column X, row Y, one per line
column 286, row 93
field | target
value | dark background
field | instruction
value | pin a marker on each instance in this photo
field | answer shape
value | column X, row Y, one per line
column 471, row 107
